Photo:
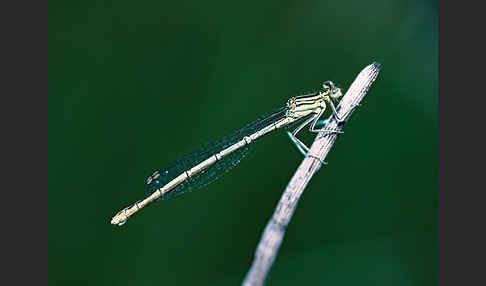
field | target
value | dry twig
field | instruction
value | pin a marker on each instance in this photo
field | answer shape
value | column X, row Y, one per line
column 274, row 232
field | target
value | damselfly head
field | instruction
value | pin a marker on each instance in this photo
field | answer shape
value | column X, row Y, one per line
column 331, row 89
column 336, row 93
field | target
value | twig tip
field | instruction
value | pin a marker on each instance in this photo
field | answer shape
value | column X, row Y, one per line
column 376, row 65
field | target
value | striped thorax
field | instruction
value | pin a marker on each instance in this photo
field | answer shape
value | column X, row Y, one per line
column 301, row 106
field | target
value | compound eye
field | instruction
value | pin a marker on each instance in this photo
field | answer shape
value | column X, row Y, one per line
column 328, row 86
column 336, row 92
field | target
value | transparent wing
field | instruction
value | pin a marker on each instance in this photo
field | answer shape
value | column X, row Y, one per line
column 160, row 177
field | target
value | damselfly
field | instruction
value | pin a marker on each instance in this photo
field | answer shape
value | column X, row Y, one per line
column 202, row 167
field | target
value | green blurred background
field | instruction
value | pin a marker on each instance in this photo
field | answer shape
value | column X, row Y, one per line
column 134, row 85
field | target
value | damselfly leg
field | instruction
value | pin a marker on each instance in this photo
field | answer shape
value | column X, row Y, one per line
column 292, row 135
column 314, row 119
column 330, row 131
column 334, row 112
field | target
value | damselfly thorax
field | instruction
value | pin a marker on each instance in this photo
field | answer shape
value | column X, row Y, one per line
column 200, row 168
column 301, row 106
